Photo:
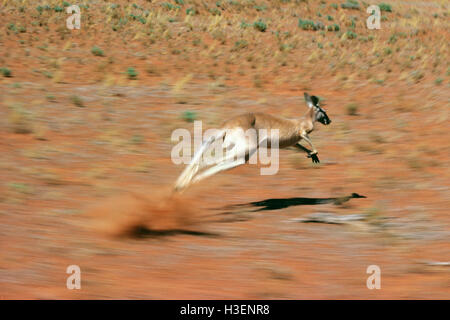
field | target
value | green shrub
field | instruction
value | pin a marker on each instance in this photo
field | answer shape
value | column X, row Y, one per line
column 76, row 100
column 310, row 25
column 351, row 4
column 132, row 74
column 96, row 51
column 138, row 18
column 5, row 72
column 19, row 119
column 260, row 8
column 352, row 109
column 260, row 25
column 191, row 11
column 241, row 44
column 189, row 116
column 385, row 7
column 351, row 35
column 245, row 25
column 334, row 27
column 12, row 27
column 170, row 6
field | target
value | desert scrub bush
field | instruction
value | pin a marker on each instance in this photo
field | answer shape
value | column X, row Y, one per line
column 189, row 116
column 351, row 4
column 12, row 27
column 96, row 51
column 334, row 27
column 120, row 24
column 238, row 45
column 170, row 6
column 334, row 6
column 215, row 12
column 260, row 8
column 41, row 9
column 20, row 188
column 139, row 18
column 257, row 81
column 5, row 72
column 50, row 97
column 132, row 73
column 137, row 139
column 310, row 25
column 385, row 7
column 77, row 101
column 351, row 109
column 245, row 25
column 365, row 39
column 417, row 75
column 394, row 37
column 47, row 74
column 260, row 25
column 438, row 81
column 191, row 11
column 350, row 35
column 19, row 119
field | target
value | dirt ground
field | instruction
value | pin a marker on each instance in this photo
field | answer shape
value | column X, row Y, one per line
column 86, row 118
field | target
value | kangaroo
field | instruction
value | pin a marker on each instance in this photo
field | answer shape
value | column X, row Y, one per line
column 291, row 132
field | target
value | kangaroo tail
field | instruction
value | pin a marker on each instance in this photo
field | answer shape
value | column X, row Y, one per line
column 188, row 173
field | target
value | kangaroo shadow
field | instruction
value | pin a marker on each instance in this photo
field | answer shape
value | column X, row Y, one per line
column 276, row 204
column 144, row 232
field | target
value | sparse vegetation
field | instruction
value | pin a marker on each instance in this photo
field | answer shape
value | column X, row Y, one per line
column 96, row 51
column 438, row 81
column 132, row 73
column 310, row 25
column 351, row 4
column 351, row 35
column 77, row 101
column 333, row 27
column 189, row 116
column 352, row 109
column 385, row 7
column 5, row 72
column 260, row 25
column 20, row 119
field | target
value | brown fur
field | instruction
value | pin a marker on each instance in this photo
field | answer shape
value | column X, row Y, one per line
column 290, row 129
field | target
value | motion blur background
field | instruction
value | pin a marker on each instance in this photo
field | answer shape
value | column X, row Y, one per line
column 86, row 118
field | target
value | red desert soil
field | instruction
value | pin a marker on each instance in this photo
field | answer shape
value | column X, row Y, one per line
column 86, row 172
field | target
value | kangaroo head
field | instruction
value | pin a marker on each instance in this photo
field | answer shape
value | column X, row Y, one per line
column 319, row 114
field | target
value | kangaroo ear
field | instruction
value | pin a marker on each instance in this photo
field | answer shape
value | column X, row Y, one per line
column 308, row 100
column 315, row 100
